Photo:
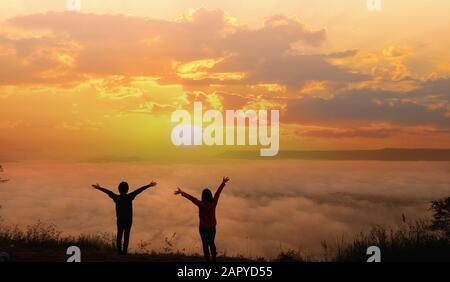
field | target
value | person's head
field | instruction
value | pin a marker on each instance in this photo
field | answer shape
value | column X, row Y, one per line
column 207, row 196
column 123, row 187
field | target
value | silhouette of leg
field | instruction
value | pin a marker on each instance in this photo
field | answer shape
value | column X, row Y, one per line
column 126, row 237
column 120, row 230
column 204, row 236
column 212, row 244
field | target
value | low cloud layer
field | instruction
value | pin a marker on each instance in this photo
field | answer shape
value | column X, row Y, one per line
column 268, row 206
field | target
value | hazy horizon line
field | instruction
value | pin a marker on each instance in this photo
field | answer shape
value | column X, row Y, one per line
column 382, row 154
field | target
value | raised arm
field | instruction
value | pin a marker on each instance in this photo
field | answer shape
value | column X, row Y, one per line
column 191, row 198
column 111, row 194
column 219, row 190
column 142, row 189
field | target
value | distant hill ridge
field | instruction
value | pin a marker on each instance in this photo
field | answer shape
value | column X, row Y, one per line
column 386, row 154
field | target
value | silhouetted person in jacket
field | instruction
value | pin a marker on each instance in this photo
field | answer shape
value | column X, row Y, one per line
column 207, row 214
column 124, row 211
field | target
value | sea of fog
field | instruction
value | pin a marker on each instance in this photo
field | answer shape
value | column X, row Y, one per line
column 267, row 207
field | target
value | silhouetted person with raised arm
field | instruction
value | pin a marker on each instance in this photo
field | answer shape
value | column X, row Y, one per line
column 207, row 214
column 124, row 211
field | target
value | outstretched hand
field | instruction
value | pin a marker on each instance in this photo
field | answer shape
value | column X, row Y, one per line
column 96, row 186
column 225, row 179
column 153, row 183
column 179, row 191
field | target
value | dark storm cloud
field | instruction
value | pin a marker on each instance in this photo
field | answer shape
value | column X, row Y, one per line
column 375, row 106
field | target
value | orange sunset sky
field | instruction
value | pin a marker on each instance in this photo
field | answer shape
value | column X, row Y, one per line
column 104, row 81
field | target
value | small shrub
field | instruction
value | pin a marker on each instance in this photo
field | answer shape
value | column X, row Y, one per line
column 290, row 256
